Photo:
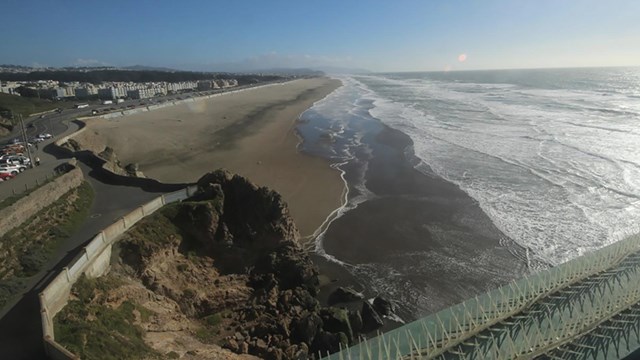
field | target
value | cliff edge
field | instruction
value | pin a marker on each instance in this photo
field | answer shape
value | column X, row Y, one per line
column 219, row 274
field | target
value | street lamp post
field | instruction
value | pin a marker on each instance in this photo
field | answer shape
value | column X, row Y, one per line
column 24, row 139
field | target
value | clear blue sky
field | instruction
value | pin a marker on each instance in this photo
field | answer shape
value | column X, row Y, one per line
column 384, row 35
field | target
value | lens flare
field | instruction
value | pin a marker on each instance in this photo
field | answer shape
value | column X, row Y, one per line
column 462, row 57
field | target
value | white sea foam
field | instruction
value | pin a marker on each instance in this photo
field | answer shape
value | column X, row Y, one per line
column 558, row 171
column 338, row 110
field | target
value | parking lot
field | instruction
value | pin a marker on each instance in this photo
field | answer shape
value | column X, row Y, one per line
column 17, row 171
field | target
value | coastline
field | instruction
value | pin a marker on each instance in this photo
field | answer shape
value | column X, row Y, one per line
column 421, row 231
column 405, row 233
column 249, row 133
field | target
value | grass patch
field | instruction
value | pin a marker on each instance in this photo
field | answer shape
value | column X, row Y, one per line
column 145, row 314
column 27, row 105
column 211, row 327
column 30, row 246
column 96, row 331
column 154, row 231
column 213, row 319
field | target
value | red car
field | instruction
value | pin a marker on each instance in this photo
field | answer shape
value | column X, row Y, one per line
column 4, row 176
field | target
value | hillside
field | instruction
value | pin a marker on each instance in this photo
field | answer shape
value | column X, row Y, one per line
column 25, row 105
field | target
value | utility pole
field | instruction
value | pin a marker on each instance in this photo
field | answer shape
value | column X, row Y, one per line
column 24, row 140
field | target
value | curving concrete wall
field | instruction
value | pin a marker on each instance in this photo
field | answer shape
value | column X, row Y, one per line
column 93, row 261
column 14, row 215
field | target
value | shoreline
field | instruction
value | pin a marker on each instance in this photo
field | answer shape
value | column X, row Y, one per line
column 405, row 233
column 419, row 230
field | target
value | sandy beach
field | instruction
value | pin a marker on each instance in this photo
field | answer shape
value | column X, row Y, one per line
column 251, row 133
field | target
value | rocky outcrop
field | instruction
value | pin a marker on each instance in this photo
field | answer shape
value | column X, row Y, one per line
column 383, row 306
column 344, row 295
column 256, row 216
column 233, row 249
column 133, row 170
column 371, row 320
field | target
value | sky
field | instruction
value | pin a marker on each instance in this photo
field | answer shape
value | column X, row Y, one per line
column 402, row 35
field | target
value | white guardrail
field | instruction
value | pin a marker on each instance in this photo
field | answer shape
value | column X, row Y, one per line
column 93, row 261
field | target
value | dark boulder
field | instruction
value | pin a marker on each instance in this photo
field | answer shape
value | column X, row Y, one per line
column 327, row 343
column 336, row 320
column 303, row 298
column 370, row 318
column 256, row 216
column 292, row 267
column 383, row 306
column 355, row 320
column 306, row 328
column 342, row 295
column 200, row 220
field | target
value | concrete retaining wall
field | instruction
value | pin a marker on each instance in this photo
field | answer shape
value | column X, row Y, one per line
column 14, row 215
column 57, row 352
column 93, row 261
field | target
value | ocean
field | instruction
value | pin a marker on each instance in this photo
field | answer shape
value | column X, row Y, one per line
column 550, row 156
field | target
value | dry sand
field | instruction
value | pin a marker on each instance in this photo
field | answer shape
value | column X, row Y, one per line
column 251, row 133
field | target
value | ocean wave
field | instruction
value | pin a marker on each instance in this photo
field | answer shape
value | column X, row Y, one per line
column 561, row 185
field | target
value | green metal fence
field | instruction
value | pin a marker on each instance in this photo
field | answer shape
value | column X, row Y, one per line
column 580, row 309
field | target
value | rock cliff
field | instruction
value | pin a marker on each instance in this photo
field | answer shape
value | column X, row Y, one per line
column 226, row 268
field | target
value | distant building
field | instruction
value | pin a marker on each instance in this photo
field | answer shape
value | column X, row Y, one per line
column 205, row 85
column 6, row 89
column 140, row 93
column 53, row 93
column 181, row 86
column 85, row 92
column 109, row 93
column 69, row 91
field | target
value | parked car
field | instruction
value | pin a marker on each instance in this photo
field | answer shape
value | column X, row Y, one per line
column 36, row 140
column 45, row 136
column 12, row 169
column 4, row 176
column 17, row 160
column 12, row 149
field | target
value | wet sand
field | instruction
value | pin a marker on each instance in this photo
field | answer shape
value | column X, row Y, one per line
column 251, row 133
column 420, row 240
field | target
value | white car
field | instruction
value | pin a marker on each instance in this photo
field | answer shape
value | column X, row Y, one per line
column 17, row 160
column 12, row 169
column 45, row 136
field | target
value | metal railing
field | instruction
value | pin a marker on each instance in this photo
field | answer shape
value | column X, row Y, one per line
column 557, row 310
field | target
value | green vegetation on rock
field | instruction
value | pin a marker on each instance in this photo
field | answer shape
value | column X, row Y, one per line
column 30, row 246
column 96, row 331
